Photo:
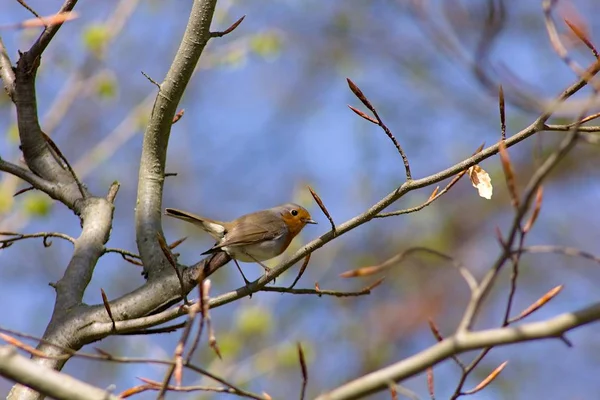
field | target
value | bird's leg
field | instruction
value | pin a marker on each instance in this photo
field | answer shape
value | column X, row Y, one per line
column 267, row 269
column 243, row 276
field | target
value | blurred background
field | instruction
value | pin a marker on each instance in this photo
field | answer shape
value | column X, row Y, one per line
column 265, row 115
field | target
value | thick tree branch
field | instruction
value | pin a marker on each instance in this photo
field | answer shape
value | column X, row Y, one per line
column 44, row 380
column 156, row 137
column 380, row 379
column 6, row 71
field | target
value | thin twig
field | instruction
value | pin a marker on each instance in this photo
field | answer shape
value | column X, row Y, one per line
column 320, row 292
column 27, row 189
column 205, row 305
column 152, row 81
column 502, row 113
column 228, row 30
column 62, row 157
column 112, row 192
column 358, row 93
column 301, row 272
column 107, row 307
column 153, row 385
column 465, row 273
column 436, row 195
column 167, row 252
column 541, row 173
column 108, row 357
column 122, row 252
column 436, row 333
column 154, row 331
column 28, row 8
column 322, row 207
column 177, row 365
column 45, row 235
column 303, row 369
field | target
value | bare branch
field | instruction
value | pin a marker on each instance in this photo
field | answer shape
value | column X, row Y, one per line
column 45, row 235
column 28, row 8
column 358, row 93
column 301, row 272
column 303, row 369
column 156, row 137
column 45, row 380
column 465, row 273
column 322, row 207
column 44, row 39
column 6, row 71
column 411, row 366
column 320, row 292
column 228, row 30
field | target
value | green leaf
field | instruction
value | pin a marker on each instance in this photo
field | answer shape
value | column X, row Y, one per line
column 95, row 37
column 12, row 133
column 254, row 321
column 6, row 201
column 230, row 344
column 267, row 44
column 106, row 86
column 37, row 204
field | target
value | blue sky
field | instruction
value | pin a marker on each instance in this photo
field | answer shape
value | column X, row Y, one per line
column 260, row 125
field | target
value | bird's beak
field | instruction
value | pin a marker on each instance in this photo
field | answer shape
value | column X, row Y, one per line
column 310, row 221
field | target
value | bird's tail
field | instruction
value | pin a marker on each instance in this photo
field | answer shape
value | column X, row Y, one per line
column 215, row 228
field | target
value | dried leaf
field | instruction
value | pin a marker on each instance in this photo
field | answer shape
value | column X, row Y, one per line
column 536, row 210
column 430, row 384
column 361, row 272
column 134, row 390
column 363, row 115
column 509, row 174
column 374, row 284
column 435, row 330
column 433, row 194
column 539, row 303
column 393, row 391
column 481, row 181
column 488, row 379
column 178, row 116
column 49, row 20
column 358, row 93
column 582, row 35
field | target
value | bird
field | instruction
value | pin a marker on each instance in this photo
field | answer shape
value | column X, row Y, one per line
column 254, row 237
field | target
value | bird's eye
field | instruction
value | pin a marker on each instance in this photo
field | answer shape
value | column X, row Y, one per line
column 294, row 212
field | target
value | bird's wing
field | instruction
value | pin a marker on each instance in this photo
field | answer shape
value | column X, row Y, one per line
column 253, row 230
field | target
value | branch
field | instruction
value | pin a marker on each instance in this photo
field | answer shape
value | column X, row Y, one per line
column 45, row 235
column 148, row 305
column 321, row 292
column 379, row 380
column 156, row 137
column 37, row 151
column 481, row 293
column 51, row 383
column 44, row 39
column 51, row 189
column 6, row 71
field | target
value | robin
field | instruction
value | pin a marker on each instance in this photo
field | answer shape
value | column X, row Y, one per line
column 254, row 237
